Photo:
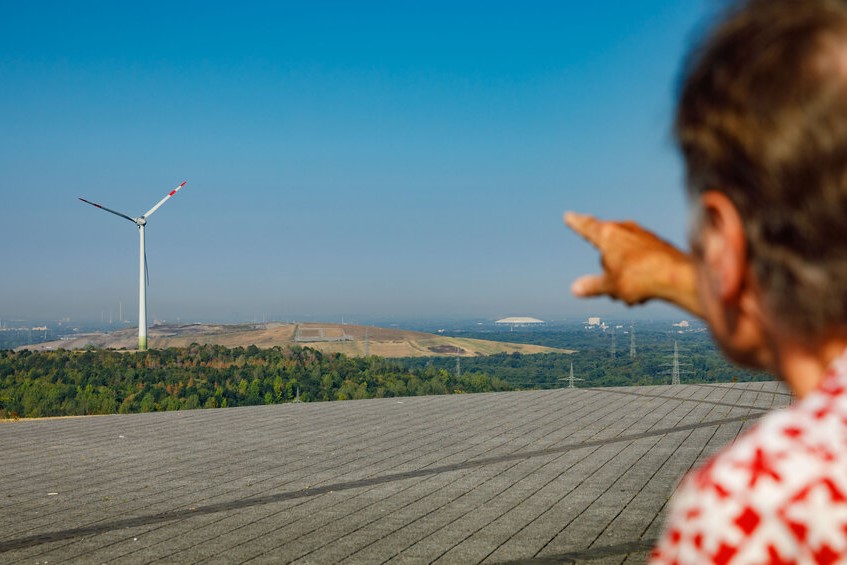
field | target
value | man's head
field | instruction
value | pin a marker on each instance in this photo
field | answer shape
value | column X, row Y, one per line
column 762, row 120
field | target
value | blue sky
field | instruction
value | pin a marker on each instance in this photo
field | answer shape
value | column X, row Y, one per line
column 357, row 159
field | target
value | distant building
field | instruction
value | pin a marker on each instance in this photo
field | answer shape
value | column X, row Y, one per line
column 594, row 321
column 682, row 324
column 520, row 321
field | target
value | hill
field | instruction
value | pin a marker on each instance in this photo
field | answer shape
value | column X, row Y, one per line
column 352, row 340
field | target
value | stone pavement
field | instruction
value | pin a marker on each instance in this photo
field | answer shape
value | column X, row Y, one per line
column 554, row 476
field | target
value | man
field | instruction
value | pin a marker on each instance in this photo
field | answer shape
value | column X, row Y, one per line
column 762, row 126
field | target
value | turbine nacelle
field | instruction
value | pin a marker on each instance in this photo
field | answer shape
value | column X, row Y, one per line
column 142, row 221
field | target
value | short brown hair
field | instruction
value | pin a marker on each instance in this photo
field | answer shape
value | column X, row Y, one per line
column 762, row 117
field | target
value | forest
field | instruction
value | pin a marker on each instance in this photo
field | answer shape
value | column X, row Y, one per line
column 94, row 381
column 600, row 359
column 64, row 383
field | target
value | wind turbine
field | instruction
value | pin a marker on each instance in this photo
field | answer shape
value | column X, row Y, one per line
column 141, row 221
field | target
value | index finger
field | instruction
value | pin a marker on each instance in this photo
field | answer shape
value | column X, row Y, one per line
column 587, row 226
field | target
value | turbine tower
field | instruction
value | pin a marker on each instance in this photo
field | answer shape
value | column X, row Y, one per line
column 141, row 221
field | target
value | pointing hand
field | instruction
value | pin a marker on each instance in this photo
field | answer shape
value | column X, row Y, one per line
column 637, row 265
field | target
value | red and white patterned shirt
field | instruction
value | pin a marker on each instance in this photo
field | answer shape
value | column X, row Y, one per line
column 776, row 495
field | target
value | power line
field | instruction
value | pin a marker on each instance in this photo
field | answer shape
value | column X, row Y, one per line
column 677, row 367
column 632, row 340
column 614, row 348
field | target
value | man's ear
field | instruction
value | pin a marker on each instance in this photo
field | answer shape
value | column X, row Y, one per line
column 723, row 245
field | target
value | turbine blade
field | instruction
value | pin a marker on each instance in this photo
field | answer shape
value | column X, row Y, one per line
column 162, row 201
column 146, row 271
column 108, row 210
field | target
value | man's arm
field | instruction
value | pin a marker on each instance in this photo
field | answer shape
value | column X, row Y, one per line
column 637, row 265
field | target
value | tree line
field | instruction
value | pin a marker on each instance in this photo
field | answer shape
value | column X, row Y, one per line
column 64, row 383
column 593, row 361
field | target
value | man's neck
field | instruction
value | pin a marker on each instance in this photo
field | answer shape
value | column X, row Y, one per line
column 802, row 366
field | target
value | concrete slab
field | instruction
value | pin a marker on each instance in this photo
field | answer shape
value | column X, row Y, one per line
column 559, row 476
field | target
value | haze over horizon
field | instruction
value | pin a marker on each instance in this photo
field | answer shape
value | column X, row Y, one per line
column 363, row 160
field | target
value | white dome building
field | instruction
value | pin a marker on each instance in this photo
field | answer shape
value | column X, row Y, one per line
column 520, row 321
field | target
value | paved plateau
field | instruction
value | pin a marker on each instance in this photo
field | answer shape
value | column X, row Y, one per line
column 556, row 476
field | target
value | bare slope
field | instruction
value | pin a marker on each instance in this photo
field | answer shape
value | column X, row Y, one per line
column 351, row 340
